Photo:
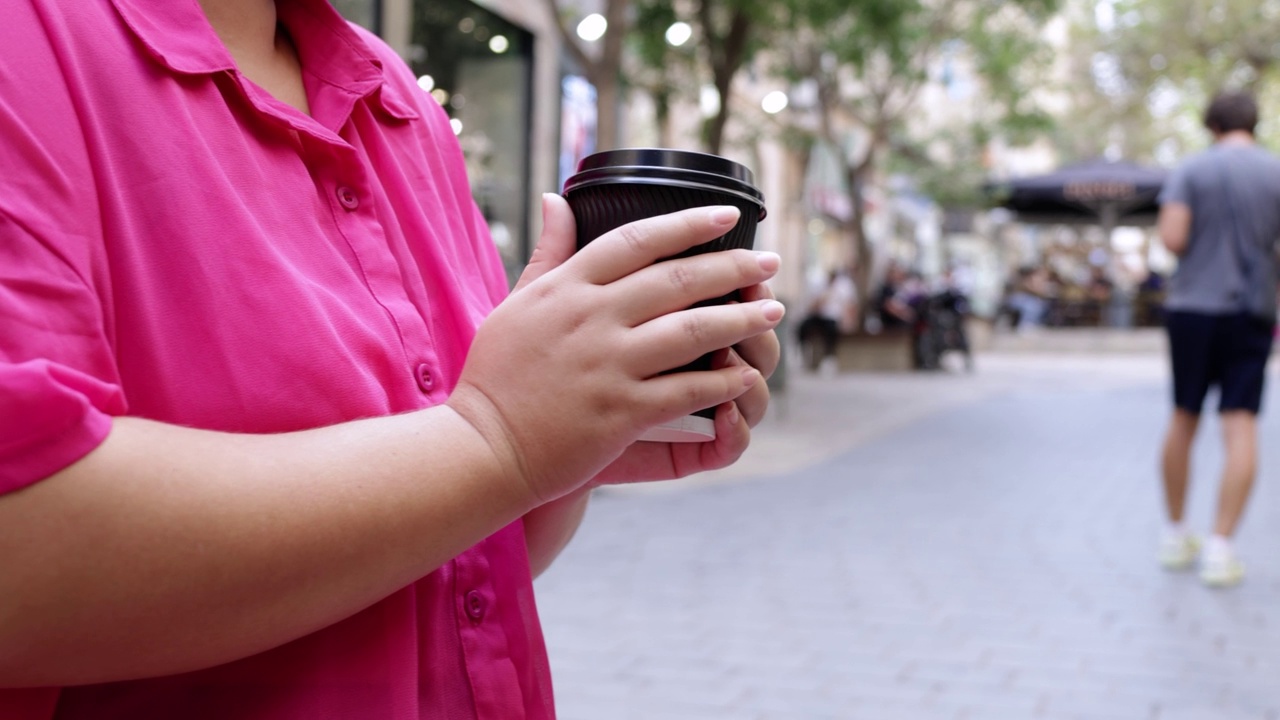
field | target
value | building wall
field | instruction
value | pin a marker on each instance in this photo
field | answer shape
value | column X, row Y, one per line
column 397, row 30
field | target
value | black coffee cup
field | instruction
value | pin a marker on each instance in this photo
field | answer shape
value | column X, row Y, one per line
column 616, row 187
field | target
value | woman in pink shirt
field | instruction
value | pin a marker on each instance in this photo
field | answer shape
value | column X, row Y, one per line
column 270, row 447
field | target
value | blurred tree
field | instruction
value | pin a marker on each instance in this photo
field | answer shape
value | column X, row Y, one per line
column 1154, row 64
column 1208, row 43
column 660, row 69
column 600, row 60
column 726, row 28
column 727, row 35
column 867, row 63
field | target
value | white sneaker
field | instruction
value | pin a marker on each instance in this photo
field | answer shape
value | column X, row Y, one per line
column 829, row 367
column 1179, row 552
column 1219, row 566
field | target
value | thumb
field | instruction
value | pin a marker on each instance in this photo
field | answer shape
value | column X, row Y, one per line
column 558, row 242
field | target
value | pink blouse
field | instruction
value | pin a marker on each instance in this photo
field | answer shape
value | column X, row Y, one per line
column 175, row 244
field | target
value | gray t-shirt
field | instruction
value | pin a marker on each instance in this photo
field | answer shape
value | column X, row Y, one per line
column 1233, row 191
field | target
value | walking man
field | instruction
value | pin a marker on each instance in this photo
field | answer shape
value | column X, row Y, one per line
column 1220, row 213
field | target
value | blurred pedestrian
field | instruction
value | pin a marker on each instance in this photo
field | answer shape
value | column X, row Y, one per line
column 1220, row 214
column 893, row 305
column 1098, row 293
column 1029, row 298
column 832, row 311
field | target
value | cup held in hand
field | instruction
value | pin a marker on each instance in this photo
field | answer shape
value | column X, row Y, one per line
column 616, row 187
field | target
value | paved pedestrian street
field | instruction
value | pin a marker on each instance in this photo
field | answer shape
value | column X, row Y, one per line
column 924, row 546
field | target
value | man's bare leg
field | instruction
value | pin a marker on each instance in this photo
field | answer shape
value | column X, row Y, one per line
column 1175, row 462
column 1219, row 566
column 1178, row 548
column 1240, row 445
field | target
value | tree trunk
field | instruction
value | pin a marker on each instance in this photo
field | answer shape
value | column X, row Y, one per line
column 662, row 117
column 856, row 176
column 608, row 106
column 727, row 55
column 608, row 76
column 603, row 69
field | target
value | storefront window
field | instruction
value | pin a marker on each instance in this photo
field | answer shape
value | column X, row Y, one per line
column 577, row 123
column 479, row 68
column 366, row 13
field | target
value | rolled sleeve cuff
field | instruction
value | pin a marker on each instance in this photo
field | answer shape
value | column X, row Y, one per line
column 50, row 417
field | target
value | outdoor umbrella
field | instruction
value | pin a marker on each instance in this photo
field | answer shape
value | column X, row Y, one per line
column 1096, row 192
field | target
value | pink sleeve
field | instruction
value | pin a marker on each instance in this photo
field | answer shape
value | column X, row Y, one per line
column 50, row 416
column 58, row 377
column 57, row 371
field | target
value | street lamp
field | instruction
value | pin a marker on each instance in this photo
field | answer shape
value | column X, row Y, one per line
column 679, row 33
column 592, row 27
column 708, row 100
column 774, row 102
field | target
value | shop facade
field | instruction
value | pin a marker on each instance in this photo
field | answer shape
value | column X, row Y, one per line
column 495, row 68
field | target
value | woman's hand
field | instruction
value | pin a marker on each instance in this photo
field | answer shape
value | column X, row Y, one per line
column 566, row 374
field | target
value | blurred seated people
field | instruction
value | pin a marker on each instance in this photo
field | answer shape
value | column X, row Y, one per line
column 1153, row 282
column 1030, row 297
column 1150, row 300
column 951, row 292
column 1099, row 292
column 892, row 301
column 940, row 324
column 1100, row 286
column 833, row 309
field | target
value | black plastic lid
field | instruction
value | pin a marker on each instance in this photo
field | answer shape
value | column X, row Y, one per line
column 662, row 166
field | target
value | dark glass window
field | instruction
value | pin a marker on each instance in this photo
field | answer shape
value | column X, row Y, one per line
column 366, row 13
column 479, row 67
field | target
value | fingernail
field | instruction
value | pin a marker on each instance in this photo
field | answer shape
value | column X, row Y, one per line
column 749, row 376
column 773, row 310
column 733, row 415
column 769, row 262
column 724, row 215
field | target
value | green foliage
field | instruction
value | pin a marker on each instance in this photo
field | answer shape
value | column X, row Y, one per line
column 648, row 36
column 872, row 59
column 853, row 33
column 959, row 181
column 1155, row 64
column 869, row 59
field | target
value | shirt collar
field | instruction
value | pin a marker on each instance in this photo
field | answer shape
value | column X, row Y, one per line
column 177, row 35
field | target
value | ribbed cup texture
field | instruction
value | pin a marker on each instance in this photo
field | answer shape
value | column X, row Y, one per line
column 601, row 208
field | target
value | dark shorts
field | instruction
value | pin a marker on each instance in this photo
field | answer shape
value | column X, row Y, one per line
column 1229, row 351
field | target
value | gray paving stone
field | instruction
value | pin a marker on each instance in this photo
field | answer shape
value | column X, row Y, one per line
column 989, row 555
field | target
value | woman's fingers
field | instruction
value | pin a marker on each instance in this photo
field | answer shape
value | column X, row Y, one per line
column 763, row 351
column 668, row 397
column 594, row 334
column 623, row 251
column 557, row 242
column 672, row 285
column 679, row 338
column 752, row 404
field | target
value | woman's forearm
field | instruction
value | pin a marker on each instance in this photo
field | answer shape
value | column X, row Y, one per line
column 549, row 528
column 169, row 549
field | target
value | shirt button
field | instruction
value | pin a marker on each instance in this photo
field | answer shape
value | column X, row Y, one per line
column 424, row 377
column 348, row 198
column 475, row 605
